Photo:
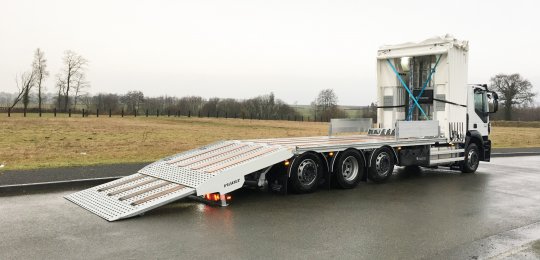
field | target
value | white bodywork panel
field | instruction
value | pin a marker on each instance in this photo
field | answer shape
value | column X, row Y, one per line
column 417, row 129
column 349, row 125
column 449, row 82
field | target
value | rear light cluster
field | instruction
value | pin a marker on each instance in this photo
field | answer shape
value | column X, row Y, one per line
column 216, row 197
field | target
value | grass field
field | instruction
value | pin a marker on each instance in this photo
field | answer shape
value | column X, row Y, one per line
column 28, row 143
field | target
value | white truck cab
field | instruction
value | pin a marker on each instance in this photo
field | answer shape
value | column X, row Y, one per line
column 428, row 81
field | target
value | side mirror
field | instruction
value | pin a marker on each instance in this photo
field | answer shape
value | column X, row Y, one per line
column 493, row 102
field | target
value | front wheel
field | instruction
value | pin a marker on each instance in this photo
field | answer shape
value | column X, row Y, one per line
column 306, row 172
column 381, row 165
column 472, row 159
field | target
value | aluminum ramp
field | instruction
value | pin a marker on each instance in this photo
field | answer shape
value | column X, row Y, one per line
column 219, row 167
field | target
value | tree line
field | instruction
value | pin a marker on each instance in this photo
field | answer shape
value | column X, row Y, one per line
column 264, row 106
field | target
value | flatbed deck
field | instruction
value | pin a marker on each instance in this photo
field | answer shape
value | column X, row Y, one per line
column 218, row 167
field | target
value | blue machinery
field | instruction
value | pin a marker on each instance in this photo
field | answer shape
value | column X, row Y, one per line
column 415, row 99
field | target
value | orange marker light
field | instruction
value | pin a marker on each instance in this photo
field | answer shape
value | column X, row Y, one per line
column 331, row 154
column 229, row 197
column 287, row 163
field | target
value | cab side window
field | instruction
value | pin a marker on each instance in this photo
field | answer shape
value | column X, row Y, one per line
column 480, row 105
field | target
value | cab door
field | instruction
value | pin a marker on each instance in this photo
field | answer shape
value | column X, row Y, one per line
column 477, row 109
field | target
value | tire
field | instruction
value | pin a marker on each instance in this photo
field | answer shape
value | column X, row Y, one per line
column 381, row 165
column 306, row 173
column 472, row 159
column 349, row 169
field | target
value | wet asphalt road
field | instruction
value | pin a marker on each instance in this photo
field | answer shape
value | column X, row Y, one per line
column 433, row 214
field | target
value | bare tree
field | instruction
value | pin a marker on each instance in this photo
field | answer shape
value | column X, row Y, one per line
column 24, row 83
column 326, row 99
column 60, row 85
column 513, row 90
column 39, row 66
column 79, row 85
column 133, row 100
column 190, row 104
column 74, row 64
column 326, row 105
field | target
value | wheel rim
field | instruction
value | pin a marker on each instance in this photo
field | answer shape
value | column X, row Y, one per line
column 349, row 168
column 307, row 172
column 472, row 159
column 382, row 164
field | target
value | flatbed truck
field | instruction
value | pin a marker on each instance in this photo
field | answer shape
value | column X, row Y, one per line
column 428, row 116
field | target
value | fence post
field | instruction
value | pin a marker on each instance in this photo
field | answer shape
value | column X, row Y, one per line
column 69, row 112
column 226, row 114
column 189, row 113
column 55, row 112
column 169, row 113
column 133, row 110
column 82, row 112
column 24, row 112
column 110, row 112
column 147, row 112
column 9, row 112
column 40, row 112
column 97, row 112
column 123, row 112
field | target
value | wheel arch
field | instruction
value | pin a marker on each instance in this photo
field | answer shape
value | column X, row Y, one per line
column 475, row 137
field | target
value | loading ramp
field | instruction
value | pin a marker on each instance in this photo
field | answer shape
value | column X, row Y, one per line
column 219, row 167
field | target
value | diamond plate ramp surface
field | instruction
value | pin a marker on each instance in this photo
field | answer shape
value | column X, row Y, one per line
column 129, row 196
column 198, row 171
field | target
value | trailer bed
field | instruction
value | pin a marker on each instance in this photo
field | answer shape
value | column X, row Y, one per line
column 218, row 167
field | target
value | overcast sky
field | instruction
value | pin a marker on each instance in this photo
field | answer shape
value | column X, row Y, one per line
column 242, row 49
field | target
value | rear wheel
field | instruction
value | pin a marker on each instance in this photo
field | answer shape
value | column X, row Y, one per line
column 381, row 165
column 472, row 159
column 349, row 169
column 306, row 172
